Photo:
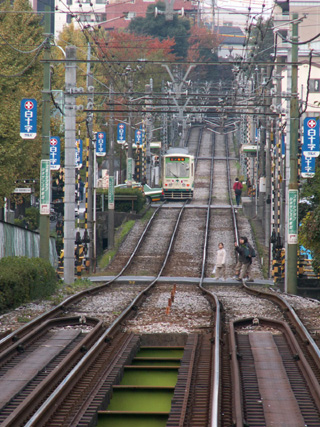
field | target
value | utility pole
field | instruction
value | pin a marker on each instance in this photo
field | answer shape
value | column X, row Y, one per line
column 111, row 177
column 267, row 217
column 90, row 172
column 69, row 186
column 292, row 193
column 148, row 102
column 45, row 155
column 129, row 137
column 176, row 95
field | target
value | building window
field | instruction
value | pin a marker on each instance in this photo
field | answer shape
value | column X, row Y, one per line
column 101, row 17
column 129, row 15
column 84, row 18
column 69, row 2
column 283, row 34
column 314, row 85
column 69, row 18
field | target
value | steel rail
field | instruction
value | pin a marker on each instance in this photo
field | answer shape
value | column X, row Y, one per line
column 301, row 329
column 214, row 407
column 39, row 330
column 16, row 335
column 34, row 399
column 308, row 375
column 71, row 377
column 234, row 217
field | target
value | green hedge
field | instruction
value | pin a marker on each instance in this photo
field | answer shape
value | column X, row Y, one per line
column 25, row 279
column 121, row 205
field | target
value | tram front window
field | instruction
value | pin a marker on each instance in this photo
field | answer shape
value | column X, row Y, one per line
column 177, row 170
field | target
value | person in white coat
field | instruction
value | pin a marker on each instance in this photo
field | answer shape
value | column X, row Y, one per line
column 220, row 267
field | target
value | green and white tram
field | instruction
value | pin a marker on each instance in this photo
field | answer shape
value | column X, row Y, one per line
column 178, row 174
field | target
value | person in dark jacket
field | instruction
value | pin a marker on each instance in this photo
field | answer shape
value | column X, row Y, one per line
column 244, row 250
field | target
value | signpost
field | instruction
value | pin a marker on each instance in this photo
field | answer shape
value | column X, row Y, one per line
column 293, row 217
column 308, row 166
column 121, row 133
column 310, row 145
column 101, row 147
column 55, row 153
column 45, row 195
column 26, row 190
column 78, row 153
column 111, row 193
column 138, row 137
column 28, row 118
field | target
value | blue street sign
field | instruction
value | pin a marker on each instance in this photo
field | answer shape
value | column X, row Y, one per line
column 54, row 153
column 308, row 166
column 28, row 118
column 138, row 137
column 78, row 153
column 310, row 145
column 101, row 146
column 121, row 133
column 283, row 145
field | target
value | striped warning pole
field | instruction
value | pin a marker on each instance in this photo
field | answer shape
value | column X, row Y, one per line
column 143, row 154
column 273, row 239
column 86, row 239
column 138, row 163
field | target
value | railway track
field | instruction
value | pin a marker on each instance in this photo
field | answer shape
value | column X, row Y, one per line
column 267, row 305
column 273, row 383
column 90, row 382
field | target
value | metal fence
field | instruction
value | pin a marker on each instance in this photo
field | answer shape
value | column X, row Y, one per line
column 17, row 241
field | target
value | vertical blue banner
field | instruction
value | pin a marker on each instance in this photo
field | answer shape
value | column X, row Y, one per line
column 310, row 146
column 28, row 118
column 121, row 133
column 55, row 153
column 78, row 153
column 308, row 166
column 283, row 145
column 138, row 137
column 101, row 147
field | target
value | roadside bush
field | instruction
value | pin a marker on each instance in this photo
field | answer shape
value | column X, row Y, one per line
column 30, row 220
column 25, row 279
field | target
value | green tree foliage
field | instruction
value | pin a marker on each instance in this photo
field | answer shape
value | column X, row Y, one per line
column 21, row 77
column 262, row 40
column 158, row 26
column 309, row 217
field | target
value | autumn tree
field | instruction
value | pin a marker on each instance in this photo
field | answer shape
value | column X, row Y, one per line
column 21, row 77
column 125, row 65
column 159, row 27
column 203, row 44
